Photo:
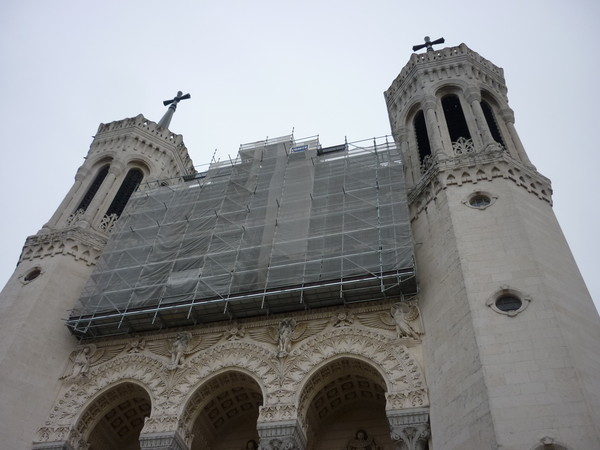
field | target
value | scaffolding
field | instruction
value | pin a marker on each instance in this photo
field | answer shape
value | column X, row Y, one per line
column 287, row 225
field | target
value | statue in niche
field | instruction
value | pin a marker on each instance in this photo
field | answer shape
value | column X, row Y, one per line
column 251, row 445
column 362, row 441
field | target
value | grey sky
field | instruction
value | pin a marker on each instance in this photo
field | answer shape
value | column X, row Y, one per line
column 263, row 68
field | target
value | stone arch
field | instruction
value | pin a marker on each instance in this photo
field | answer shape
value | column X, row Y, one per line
column 398, row 369
column 114, row 415
column 225, row 404
column 338, row 385
column 76, row 398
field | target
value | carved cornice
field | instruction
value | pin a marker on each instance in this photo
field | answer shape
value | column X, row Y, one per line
column 430, row 67
column 84, row 245
column 148, row 131
column 474, row 168
column 215, row 357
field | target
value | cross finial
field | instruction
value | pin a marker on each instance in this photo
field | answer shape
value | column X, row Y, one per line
column 166, row 119
column 428, row 44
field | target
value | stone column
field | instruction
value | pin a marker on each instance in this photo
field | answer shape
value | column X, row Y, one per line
column 162, row 432
column 410, row 428
column 68, row 204
column 508, row 116
column 435, row 138
column 473, row 97
column 114, row 172
column 408, row 158
column 283, row 435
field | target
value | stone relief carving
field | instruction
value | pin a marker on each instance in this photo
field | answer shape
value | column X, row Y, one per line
column 177, row 394
column 81, row 360
column 286, row 333
column 404, row 317
column 414, row 437
column 343, row 319
column 183, row 347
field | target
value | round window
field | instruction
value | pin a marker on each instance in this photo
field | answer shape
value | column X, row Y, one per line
column 508, row 303
column 480, row 201
column 32, row 274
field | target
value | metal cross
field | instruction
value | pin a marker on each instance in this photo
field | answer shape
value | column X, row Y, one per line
column 177, row 99
column 428, row 44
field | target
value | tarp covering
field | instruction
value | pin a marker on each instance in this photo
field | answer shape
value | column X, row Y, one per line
column 286, row 226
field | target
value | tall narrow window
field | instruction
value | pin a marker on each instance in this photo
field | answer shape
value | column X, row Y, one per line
column 455, row 118
column 93, row 189
column 130, row 183
column 491, row 121
column 422, row 137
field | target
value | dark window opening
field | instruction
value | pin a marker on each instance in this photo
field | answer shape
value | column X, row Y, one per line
column 491, row 121
column 508, row 303
column 93, row 189
column 130, row 183
column 421, row 135
column 455, row 118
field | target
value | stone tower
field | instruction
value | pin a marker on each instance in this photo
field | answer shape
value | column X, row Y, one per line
column 511, row 346
column 57, row 261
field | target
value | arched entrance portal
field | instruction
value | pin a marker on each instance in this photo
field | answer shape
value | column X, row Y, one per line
column 226, row 411
column 117, row 417
column 344, row 406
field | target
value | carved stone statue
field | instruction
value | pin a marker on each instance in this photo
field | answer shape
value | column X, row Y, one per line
column 362, row 441
column 178, row 348
column 286, row 331
column 81, row 363
column 251, row 445
column 402, row 313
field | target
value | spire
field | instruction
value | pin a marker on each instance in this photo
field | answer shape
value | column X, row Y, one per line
column 166, row 119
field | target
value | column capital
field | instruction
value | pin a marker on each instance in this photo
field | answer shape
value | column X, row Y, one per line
column 116, row 168
column 286, row 435
column 472, row 93
column 429, row 102
column 508, row 115
column 410, row 427
column 168, row 440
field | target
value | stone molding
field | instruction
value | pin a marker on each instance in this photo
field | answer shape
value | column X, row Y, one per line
column 461, row 62
column 178, row 392
column 284, row 435
column 473, row 169
column 162, row 441
column 82, row 245
column 410, row 428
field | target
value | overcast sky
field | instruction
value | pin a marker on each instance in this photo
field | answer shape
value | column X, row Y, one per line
column 264, row 68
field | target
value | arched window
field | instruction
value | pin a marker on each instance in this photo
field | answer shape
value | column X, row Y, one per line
column 130, row 183
column 455, row 118
column 491, row 121
column 91, row 192
column 421, row 135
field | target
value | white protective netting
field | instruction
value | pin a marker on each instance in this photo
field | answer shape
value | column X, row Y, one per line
column 287, row 223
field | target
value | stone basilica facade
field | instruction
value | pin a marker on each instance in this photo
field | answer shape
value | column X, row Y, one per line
column 412, row 293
